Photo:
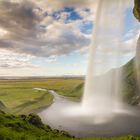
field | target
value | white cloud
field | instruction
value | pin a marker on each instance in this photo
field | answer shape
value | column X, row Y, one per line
column 9, row 59
column 25, row 31
column 30, row 32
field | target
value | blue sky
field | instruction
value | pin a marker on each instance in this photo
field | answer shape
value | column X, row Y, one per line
column 53, row 40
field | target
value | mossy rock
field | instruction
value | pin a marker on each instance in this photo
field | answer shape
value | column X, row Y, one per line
column 34, row 120
column 136, row 9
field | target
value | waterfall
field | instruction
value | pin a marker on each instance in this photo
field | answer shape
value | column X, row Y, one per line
column 102, row 93
column 102, row 100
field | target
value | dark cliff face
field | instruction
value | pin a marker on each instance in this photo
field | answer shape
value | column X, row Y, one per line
column 138, row 54
column 136, row 9
column 136, row 12
column 132, row 69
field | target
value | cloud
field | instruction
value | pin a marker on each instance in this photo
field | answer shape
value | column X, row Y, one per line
column 30, row 32
column 54, row 5
column 28, row 28
column 25, row 29
column 19, row 18
column 9, row 59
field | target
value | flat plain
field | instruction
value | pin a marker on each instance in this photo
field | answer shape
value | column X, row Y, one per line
column 20, row 97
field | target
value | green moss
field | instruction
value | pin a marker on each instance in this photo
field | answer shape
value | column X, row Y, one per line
column 30, row 127
column 76, row 92
column 26, row 128
column 130, row 87
column 136, row 9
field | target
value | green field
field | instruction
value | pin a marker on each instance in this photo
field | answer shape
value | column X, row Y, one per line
column 20, row 97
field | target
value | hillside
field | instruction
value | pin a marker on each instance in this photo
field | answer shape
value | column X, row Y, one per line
column 130, row 91
column 26, row 128
column 31, row 128
column 131, row 85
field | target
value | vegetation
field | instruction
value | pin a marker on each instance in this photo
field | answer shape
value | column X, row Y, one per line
column 75, row 92
column 130, row 87
column 30, row 127
column 20, row 97
column 136, row 9
column 27, row 128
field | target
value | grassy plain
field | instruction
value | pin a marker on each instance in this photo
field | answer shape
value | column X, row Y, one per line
column 20, row 97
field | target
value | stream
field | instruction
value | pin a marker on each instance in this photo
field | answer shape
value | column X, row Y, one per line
column 58, row 117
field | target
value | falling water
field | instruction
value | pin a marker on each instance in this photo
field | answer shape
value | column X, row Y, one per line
column 102, row 94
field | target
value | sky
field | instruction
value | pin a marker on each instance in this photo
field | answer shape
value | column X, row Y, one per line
column 52, row 37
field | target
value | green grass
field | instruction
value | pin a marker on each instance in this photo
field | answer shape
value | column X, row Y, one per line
column 19, row 97
column 30, row 127
column 77, row 92
column 26, row 128
column 131, row 85
column 25, row 100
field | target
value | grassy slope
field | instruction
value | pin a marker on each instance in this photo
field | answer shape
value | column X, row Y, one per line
column 75, row 92
column 20, row 97
column 130, row 89
column 26, row 128
column 31, row 128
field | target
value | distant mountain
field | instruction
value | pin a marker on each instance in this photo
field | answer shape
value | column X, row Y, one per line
column 40, row 77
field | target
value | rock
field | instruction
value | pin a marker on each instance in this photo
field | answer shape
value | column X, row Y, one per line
column 136, row 9
column 34, row 120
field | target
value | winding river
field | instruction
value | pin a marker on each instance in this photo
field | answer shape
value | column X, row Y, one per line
column 81, row 126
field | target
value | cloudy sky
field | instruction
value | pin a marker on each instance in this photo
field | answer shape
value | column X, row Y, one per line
column 52, row 37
